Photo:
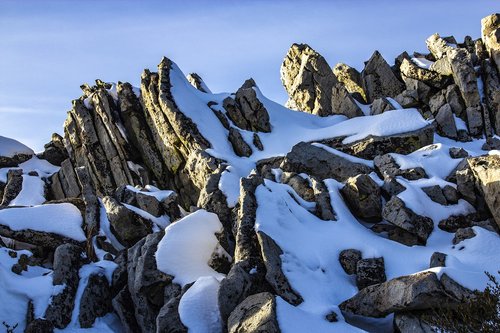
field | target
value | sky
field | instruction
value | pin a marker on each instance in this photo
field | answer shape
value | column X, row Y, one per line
column 49, row 48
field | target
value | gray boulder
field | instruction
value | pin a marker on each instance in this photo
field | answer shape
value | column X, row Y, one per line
column 369, row 272
column 257, row 313
column 95, row 301
column 363, row 196
column 348, row 260
column 446, row 122
column 13, row 187
column 379, row 80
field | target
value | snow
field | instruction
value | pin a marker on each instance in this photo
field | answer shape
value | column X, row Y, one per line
column 160, row 195
column 106, row 228
column 42, row 167
column 17, row 290
column 159, row 222
column 199, row 307
column 185, row 250
column 32, row 192
column 63, row 219
column 348, row 157
column 10, row 147
column 313, row 269
column 229, row 178
column 422, row 62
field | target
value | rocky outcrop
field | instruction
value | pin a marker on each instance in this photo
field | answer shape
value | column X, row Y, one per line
column 379, row 80
column 312, row 85
column 256, row 313
column 351, row 79
column 490, row 27
column 317, row 162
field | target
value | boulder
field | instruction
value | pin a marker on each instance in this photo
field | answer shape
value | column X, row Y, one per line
column 490, row 33
column 436, row 194
column 271, row 254
column 438, row 259
column 465, row 76
column 463, row 234
column 240, row 147
column 55, row 152
column 252, row 114
column 396, row 212
column 348, row 260
column 197, row 82
column 257, row 313
column 491, row 84
column 363, row 196
column 433, row 79
column 446, row 122
column 312, row 85
column 351, row 79
column 317, row 162
column 39, row 325
column 13, row 187
column 386, row 167
column 126, row 225
column 369, row 272
column 95, row 301
column 300, row 184
column 67, row 261
column 324, row 209
column 380, row 105
column 406, row 293
column 438, row 46
column 379, row 80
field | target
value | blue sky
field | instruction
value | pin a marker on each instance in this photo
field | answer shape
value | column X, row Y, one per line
column 48, row 48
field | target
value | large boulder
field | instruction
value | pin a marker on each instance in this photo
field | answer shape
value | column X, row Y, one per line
column 317, row 162
column 351, row 79
column 370, row 271
column 379, row 80
column 312, row 86
column 257, row 313
column 363, row 196
column 95, row 301
column 396, row 212
column 490, row 33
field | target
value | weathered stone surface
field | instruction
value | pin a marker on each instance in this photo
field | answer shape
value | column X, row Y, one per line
column 240, row 147
column 312, row 86
column 197, row 82
column 351, row 79
column 246, row 111
column 348, row 260
column 474, row 120
column 363, row 196
column 446, row 122
column 455, row 222
column 436, row 194
column 463, row 234
column 13, row 161
column 491, row 84
column 126, row 225
column 13, row 187
column 396, row 212
column 149, row 203
column 458, row 152
column 300, row 184
column 66, row 266
column 465, row 76
column 55, row 152
column 324, row 209
column 317, row 162
column 451, row 194
column 380, row 105
column 379, row 79
column 490, row 33
column 386, row 167
column 407, row 322
column 39, row 325
column 123, row 307
column 168, row 319
column 369, row 272
column 438, row 259
column 257, row 313
column 95, row 301
column 413, row 292
column 271, row 254
column 433, row 79
column 423, row 90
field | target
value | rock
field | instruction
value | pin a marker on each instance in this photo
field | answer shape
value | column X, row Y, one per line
column 257, row 142
column 240, row 147
column 408, row 99
column 455, row 222
column 146, row 283
column 369, row 272
column 66, row 266
column 491, row 86
column 438, row 46
column 95, row 301
column 197, row 82
column 442, row 66
column 126, row 225
column 407, row 322
column 436, row 194
column 271, row 254
column 348, row 260
column 405, row 293
column 451, row 194
column 312, row 86
column 246, row 111
column 22, row 154
column 386, row 166
column 168, row 319
column 380, row 105
column 149, row 203
column 478, row 182
column 257, row 313
column 474, row 121
column 300, row 184
column 463, row 234
column 396, row 212
column 351, row 79
column 13, row 187
column 246, row 247
column 458, row 152
column 446, row 122
column 438, row 259
column 324, row 209
column 391, row 187
column 490, row 27
column 363, row 196
column 454, row 99
column 55, row 152
column 92, row 205
column 433, row 79
column 379, row 79
column 491, row 144
column 123, row 306
column 39, row 325
column 317, row 162
column 465, row 76
column 423, row 91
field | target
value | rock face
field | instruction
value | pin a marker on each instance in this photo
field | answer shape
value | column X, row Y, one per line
column 490, row 27
column 317, row 162
column 312, row 85
column 379, row 79
column 256, row 313
column 363, row 195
